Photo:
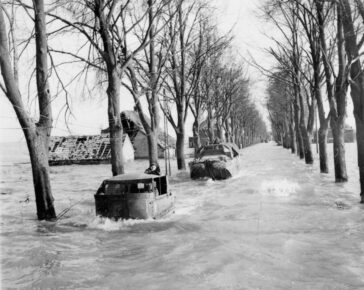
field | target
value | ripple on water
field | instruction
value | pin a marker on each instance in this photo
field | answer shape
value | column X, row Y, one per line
column 276, row 218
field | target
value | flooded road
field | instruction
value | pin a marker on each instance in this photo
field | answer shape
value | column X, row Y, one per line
column 279, row 224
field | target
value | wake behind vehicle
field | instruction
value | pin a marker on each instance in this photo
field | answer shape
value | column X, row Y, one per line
column 135, row 196
column 216, row 161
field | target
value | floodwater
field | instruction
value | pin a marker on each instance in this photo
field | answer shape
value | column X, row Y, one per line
column 279, row 224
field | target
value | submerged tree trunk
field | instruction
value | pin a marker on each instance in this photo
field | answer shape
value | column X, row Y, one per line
column 152, row 134
column 338, row 112
column 287, row 135
column 153, row 147
column 37, row 135
column 210, row 126
column 116, row 129
column 323, row 130
column 38, row 151
column 219, row 126
column 180, row 150
column 306, row 136
column 300, row 145
column 292, row 131
column 356, row 81
column 322, row 139
column 337, row 127
column 196, row 135
column 293, row 138
column 360, row 142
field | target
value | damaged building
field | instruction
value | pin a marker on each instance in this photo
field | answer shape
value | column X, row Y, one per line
column 95, row 149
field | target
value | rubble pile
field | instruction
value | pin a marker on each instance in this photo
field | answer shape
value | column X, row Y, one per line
column 75, row 148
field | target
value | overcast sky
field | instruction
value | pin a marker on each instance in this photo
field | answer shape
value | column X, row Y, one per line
column 90, row 114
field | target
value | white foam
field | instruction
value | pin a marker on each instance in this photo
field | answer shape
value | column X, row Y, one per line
column 109, row 225
column 282, row 187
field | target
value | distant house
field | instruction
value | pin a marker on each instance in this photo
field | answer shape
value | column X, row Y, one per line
column 86, row 149
column 133, row 127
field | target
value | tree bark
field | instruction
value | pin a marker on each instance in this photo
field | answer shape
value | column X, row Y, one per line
column 322, row 136
column 210, row 127
column 196, row 135
column 324, row 126
column 180, row 150
column 306, row 136
column 38, row 151
column 300, row 146
column 153, row 147
column 116, row 129
column 360, row 143
column 337, row 127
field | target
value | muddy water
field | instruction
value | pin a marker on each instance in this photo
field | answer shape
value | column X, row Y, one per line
column 279, row 224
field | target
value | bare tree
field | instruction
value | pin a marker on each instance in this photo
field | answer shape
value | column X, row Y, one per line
column 336, row 89
column 308, row 19
column 37, row 134
column 289, row 53
column 181, row 77
column 145, row 74
column 107, row 29
column 207, row 48
column 353, row 44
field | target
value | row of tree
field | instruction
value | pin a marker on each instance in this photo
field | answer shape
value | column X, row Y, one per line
column 318, row 59
column 168, row 54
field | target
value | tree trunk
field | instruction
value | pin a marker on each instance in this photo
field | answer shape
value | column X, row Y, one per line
column 337, row 127
column 116, row 129
column 196, row 135
column 180, row 150
column 360, row 143
column 322, row 136
column 152, row 134
column 293, row 138
column 38, row 152
column 220, row 134
column 36, row 135
column 306, row 138
column 210, row 127
column 227, row 131
column 152, row 138
column 338, row 112
column 300, row 146
column 292, row 131
column 323, row 130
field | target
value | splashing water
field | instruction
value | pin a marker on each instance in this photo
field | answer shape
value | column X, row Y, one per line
column 280, row 188
column 277, row 224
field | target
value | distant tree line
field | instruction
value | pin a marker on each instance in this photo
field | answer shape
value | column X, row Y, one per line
column 168, row 54
column 319, row 56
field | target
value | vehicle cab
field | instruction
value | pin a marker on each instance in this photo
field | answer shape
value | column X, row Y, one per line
column 136, row 196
